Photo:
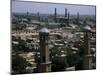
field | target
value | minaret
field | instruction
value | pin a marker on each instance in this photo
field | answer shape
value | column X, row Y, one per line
column 87, row 55
column 65, row 12
column 68, row 18
column 38, row 16
column 77, row 18
column 55, row 15
column 28, row 17
column 45, row 64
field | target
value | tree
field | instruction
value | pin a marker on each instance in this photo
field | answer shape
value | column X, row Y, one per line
column 58, row 63
column 19, row 64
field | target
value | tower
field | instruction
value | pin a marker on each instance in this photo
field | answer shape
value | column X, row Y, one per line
column 77, row 18
column 55, row 15
column 38, row 16
column 45, row 64
column 65, row 12
column 68, row 19
column 87, row 59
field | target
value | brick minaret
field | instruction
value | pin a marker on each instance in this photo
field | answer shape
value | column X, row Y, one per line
column 55, row 15
column 45, row 64
column 87, row 56
column 65, row 12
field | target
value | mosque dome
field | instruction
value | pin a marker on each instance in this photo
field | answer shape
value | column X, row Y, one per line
column 44, row 30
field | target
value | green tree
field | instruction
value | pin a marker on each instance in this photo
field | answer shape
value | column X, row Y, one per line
column 19, row 64
column 58, row 62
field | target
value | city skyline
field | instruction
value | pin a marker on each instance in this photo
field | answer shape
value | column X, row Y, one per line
column 48, row 8
column 48, row 37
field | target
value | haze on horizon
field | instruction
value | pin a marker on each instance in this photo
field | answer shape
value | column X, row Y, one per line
column 48, row 8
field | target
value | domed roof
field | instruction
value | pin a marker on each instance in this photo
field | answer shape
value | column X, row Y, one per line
column 87, row 28
column 44, row 30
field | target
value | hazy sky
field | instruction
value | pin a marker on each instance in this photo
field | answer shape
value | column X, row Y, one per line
column 33, row 7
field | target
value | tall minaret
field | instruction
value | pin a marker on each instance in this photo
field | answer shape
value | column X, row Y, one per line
column 65, row 12
column 68, row 18
column 87, row 60
column 77, row 18
column 45, row 64
column 55, row 15
column 38, row 16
